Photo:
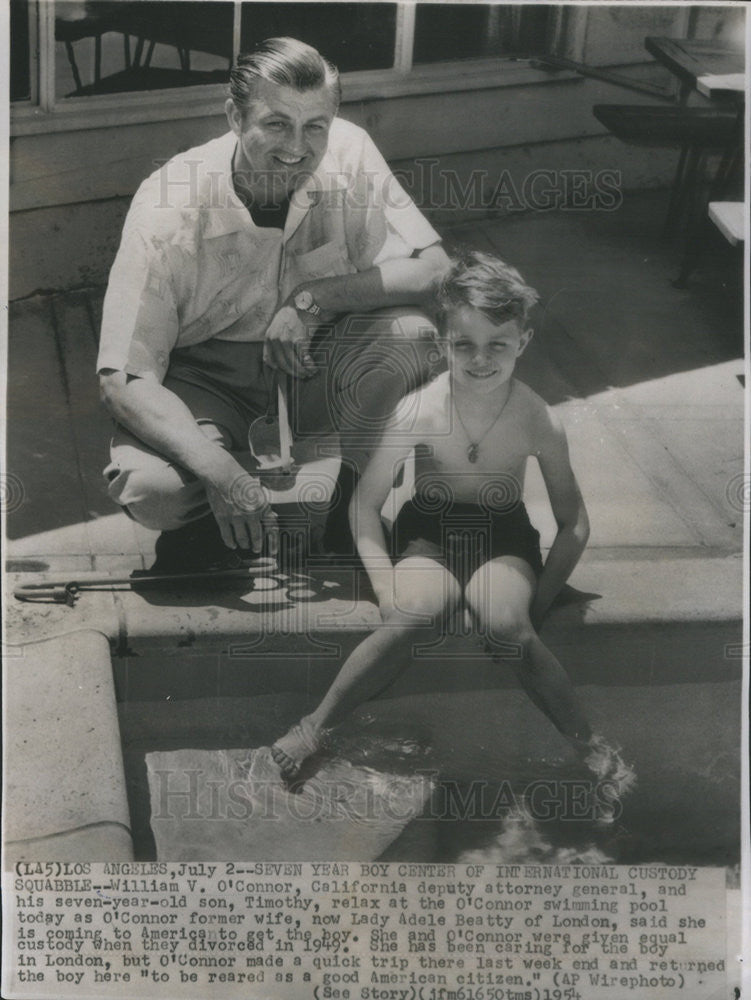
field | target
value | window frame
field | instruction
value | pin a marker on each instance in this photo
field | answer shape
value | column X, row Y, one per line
column 33, row 29
column 45, row 113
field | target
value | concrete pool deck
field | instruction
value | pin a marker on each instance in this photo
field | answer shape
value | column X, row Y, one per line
column 648, row 379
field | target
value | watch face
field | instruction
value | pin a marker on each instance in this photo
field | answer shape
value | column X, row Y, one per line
column 304, row 300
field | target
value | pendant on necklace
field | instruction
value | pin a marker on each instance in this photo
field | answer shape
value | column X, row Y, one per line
column 472, row 453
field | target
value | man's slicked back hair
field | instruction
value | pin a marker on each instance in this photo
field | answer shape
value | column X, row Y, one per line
column 482, row 281
column 286, row 62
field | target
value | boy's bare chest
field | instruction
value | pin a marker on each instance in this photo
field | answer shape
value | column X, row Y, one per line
column 470, row 447
column 463, row 449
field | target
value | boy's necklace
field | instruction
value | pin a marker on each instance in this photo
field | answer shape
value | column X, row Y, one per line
column 474, row 446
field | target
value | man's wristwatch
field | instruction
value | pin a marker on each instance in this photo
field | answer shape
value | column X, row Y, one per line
column 304, row 303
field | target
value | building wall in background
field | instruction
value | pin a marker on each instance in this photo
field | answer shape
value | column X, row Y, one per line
column 462, row 154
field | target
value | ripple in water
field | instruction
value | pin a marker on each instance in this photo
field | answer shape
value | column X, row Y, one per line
column 521, row 842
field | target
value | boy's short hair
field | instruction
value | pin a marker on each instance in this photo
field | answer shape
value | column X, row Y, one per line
column 487, row 283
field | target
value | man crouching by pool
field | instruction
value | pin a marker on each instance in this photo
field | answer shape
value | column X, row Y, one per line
column 284, row 249
column 464, row 540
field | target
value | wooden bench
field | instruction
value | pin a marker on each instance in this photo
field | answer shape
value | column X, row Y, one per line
column 655, row 125
column 697, row 132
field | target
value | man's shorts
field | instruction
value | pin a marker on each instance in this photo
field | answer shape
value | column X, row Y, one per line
column 464, row 536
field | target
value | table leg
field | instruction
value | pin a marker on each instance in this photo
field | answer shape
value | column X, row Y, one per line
column 677, row 190
column 697, row 221
column 97, row 58
column 73, row 64
column 676, row 193
column 138, row 53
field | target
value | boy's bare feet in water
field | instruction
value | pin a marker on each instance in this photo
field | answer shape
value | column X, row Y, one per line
column 292, row 750
column 609, row 767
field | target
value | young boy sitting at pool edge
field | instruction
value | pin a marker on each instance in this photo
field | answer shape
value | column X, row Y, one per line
column 464, row 540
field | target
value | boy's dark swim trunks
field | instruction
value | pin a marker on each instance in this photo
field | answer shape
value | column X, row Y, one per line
column 463, row 536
